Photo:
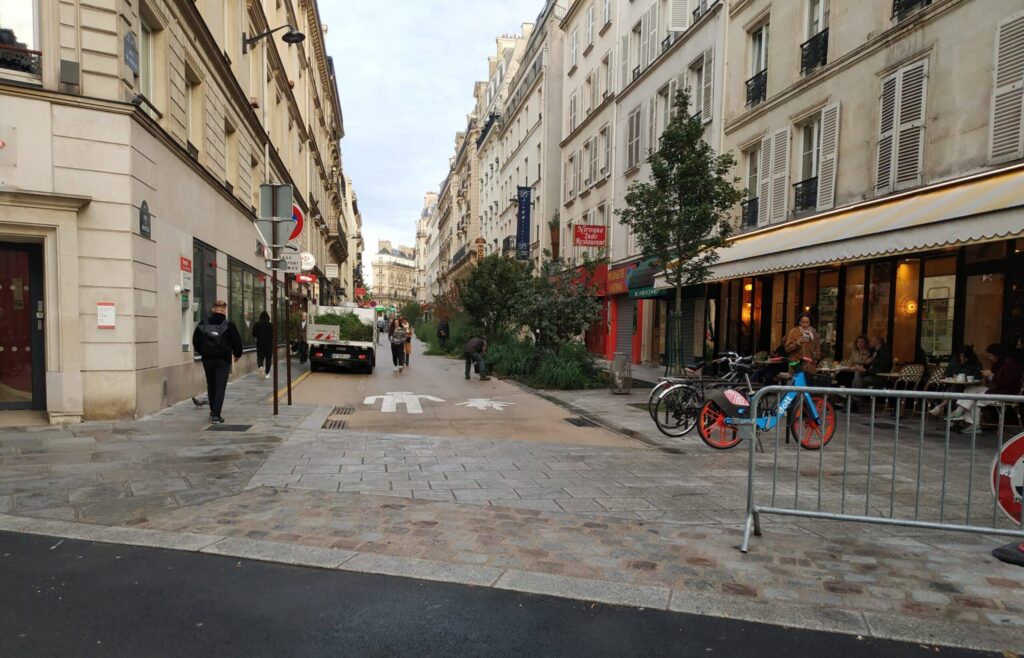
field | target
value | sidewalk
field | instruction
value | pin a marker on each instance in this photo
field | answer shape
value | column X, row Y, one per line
column 643, row 527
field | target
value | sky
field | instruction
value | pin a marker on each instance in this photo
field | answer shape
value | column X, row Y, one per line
column 405, row 71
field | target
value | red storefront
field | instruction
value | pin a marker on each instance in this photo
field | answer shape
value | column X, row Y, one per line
column 596, row 337
column 625, row 315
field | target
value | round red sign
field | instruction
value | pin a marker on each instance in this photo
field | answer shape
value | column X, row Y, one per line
column 299, row 220
column 1008, row 477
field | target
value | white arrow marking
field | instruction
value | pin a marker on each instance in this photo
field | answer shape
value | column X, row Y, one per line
column 484, row 403
column 392, row 399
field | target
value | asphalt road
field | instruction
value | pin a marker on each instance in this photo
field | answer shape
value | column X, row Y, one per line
column 72, row 598
column 444, row 403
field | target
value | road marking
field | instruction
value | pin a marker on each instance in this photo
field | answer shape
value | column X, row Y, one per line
column 484, row 403
column 295, row 382
column 394, row 398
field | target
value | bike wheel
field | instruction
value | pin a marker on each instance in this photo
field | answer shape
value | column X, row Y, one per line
column 713, row 428
column 652, row 399
column 675, row 413
column 812, row 434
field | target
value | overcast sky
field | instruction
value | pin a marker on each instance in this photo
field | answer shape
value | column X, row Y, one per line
column 405, row 72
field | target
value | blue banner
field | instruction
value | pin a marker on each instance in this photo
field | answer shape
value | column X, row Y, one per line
column 524, row 196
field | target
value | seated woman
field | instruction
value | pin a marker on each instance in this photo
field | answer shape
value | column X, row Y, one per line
column 1003, row 378
column 858, row 357
column 965, row 362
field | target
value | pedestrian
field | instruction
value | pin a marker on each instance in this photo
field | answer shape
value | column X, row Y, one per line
column 263, row 332
column 1003, row 378
column 382, row 327
column 474, row 351
column 397, row 336
column 408, row 340
column 442, row 334
column 803, row 341
column 300, row 339
column 217, row 341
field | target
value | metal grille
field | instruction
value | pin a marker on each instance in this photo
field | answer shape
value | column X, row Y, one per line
column 581, row 422
column 335, row 424
column 220, row 427
column 750, row 210
column 335, row 421
column 814, row 52
column 757, row 88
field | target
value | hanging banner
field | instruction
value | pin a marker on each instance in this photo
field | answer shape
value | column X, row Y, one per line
column 523, row 196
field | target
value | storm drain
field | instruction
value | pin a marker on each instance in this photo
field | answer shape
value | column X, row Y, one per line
column 220, row 427
column 579, row 421
column 335, row 420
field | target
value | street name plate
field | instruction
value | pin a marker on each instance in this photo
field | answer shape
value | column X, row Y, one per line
column 291, row 263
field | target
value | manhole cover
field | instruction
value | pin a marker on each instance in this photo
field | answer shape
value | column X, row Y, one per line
column 221, row 427
column 581, row 422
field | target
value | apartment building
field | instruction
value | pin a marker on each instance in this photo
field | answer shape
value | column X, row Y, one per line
column 465, row 242
column 881, row 146
column 351, row 272
column 423, row 247
column 133, row 139
column 490, row 106
column 530, row 133
column 394, row 274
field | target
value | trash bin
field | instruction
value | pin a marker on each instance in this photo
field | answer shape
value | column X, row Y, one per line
column 620, row 374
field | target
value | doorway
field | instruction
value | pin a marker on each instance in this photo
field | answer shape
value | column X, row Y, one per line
column 22, row 351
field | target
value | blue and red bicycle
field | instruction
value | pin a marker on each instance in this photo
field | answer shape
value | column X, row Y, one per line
column 811, row 419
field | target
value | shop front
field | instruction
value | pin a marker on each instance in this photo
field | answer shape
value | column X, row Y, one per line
column 623, row 316
column 928, row 272
column 596, row 338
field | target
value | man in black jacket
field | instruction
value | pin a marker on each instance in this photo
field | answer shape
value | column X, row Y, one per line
column 217, row 341
column 474, row 351
column 866, row 376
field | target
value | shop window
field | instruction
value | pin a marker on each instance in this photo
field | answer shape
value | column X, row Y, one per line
column 746, row 316
column 937, row 308
column 779, row 328
column 879, row 294
column 983, row 312
column 980, row 253
column 904, row 339
column 853, row 309
column 247, row 298
column 792, row 302
column 809, row 297
column 828, row 312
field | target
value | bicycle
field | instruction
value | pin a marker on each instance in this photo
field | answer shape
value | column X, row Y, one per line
column 813, row 421
column 676, row 405
column 692, row 372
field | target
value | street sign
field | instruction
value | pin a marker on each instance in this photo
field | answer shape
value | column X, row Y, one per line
column 271, row 208
column 360, row 292
column 299, row 220
column 308, row 260
column 1008, row 478
column 393, row 399
column 290, row 263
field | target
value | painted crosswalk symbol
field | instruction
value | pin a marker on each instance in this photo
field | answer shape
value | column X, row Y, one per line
column 392, row 399
column 484, row 403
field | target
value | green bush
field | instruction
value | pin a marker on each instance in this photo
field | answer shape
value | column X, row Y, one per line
column 512, row 358
column 350, row 327
column 562, row 370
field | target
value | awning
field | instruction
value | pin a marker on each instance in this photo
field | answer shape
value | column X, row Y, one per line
column 976, row 209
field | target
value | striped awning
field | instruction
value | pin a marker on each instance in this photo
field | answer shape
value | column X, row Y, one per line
column 976, row 209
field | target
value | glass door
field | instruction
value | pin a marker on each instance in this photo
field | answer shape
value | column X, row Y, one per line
column 22, row 366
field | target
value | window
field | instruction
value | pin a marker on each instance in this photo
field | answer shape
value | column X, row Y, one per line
column 665, row 105
column 230, row 155
column 606, row 157
column 19, row 27
column 588, row 95
column 901, row 129
column 247, row 298
column 573, row 48
column 592, row 145
column 749, row 208
column 572, row 112
column 815, row 17
column 193, row 112
column 590, row 26
column 145, row 60
column 1007, row 114
column 638, row 48
column 607, row 12
column 633, row 139
column 810, row 149
column 696, row 82
column 759, row 49
column 581, row 165
column 606, row 75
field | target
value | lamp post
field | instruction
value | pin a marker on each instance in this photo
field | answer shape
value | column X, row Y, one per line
column 291, row 36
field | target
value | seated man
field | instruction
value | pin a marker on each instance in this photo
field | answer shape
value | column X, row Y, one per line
column 866, row 376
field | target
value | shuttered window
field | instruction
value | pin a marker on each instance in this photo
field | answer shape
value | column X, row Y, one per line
column 679, row 15
column 828, row 157
column 708, row 92
column 780, row 175
column 624, row 79
column 633, row 138
column 590, row 26
column 902, row 115
column 764, row 192
column 652, row 34
column 574, row 42
column 1007, row 124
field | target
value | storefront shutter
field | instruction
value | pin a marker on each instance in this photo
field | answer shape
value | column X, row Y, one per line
column 780, row 175
column 764, row 179
column 1007, row 123
column 624, row 325
column 679, row 15
column 910, row 139
column 886, row 136
column 829, row 154
column 708, row 73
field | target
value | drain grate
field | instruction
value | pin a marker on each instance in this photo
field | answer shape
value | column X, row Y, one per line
column 335, row 421
column 334, row 424
column 220, row 427
column 579, row 421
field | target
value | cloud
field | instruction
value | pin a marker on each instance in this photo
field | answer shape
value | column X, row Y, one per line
column 405, row 71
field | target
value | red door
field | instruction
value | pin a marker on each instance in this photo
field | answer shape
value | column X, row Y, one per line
column 22, row 366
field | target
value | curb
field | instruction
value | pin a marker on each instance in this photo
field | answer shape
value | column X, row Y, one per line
column 822, row 618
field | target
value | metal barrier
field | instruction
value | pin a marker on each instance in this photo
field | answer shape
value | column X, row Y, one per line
column 871, row 472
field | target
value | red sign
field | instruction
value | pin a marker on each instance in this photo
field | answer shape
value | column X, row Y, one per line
column 1008, row 477
column 305, row 278
column 617, row 279
column 360, row 292
column 588, row 235
column 186, row 264
column 299, row 220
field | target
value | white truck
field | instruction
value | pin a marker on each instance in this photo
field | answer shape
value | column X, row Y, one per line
column 328, row 348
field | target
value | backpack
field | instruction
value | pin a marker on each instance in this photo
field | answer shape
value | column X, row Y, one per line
column 213, row 340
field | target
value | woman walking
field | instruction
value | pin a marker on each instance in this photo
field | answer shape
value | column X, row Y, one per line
column 407, row 349
column 397, row 335
column 803, row 341
column 263, row 332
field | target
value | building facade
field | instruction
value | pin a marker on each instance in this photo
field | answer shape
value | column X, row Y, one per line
column 394, row 274
column 134, row 140
column 423, row 247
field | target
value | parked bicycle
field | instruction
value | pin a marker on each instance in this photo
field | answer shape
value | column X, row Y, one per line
column 812, row 421
column 675, row 402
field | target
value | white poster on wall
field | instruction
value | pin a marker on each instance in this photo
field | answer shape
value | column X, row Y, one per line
column 106, row 315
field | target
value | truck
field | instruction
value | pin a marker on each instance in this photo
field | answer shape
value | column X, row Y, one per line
column 335, row 345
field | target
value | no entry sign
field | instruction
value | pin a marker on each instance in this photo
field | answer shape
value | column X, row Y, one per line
column 1008, row 478
column 299, row 220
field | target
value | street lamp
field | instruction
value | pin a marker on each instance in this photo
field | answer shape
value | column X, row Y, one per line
column 291, row 36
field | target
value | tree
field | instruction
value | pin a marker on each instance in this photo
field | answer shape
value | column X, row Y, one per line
column 411, row 310
column 492, row 292
column 558, row 306
column 681, row 216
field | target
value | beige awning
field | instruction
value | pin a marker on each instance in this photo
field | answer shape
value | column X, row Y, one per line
column 976, row 209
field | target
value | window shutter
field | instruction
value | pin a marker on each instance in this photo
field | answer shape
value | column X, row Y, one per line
column 764, row 181
column 828, row 155
column 679, row 15
column 911, row 110
column 610, row 85
column 1007, row 123
column 709, row 75
column 780, row 175
column 590, row 25
column 579, row 171
column 652, row 40
column 645, row 27
column 624, row 56
column 652, row 123
column 886, row 136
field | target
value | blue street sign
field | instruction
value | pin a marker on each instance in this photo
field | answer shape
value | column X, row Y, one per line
column 523, row 196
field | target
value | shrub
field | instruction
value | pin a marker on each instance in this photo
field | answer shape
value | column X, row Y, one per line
column 512, row 358
column 570, row 367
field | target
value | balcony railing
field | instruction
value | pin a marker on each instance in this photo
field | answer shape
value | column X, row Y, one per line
column 757, row 88
column 459, row 255
column 666, row 43
column 636, row 72
column 814, row 52
column 15, row 58
column 508, row 245
column 806, row 195
column 749, row 210
column 696, row 116
column 702, row 8
column 902, row 8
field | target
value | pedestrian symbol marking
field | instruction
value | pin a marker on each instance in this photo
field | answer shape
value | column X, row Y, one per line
column 484, row 403
column 392, row 399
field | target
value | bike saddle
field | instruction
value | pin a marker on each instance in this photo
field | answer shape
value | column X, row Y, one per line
column 742, row 367
column 696, row 365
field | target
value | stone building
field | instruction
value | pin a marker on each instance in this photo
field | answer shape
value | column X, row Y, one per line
column 394, row 274
column 423, row 247
column 133, row 140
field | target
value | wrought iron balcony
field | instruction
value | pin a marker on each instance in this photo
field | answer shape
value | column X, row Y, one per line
column 460, row 255
column 696, row 116
column 702, row 8
column 18, row 58
column 902, row 8
column 757, row 88
column 814, row 52
column 749, row 209
column 508, row 245
column 666, row 43
column 636, row 72
column 806, row 195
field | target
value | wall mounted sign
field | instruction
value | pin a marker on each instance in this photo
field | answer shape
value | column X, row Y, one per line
column 106, row 315
column 131, row 52
column 307, row 260
column 588, row 235
column 305, row 278
column 145, row 221
column 186, row 273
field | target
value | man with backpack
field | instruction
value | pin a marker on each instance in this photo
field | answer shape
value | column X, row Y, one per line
column 217, row 341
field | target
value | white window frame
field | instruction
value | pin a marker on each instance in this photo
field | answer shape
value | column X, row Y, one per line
column 815, row 14
column 607, row 12
column 36, row 45
column 633, row 138
column 590, row 26
column 810, row 144
column 145, row 59
column 696, row 76
column 573, row 104
column 753, row 171
column 574, row 41
column 759, row 49
column 606, row 138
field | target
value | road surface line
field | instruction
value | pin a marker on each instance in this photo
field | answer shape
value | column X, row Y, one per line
column 295, row 382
